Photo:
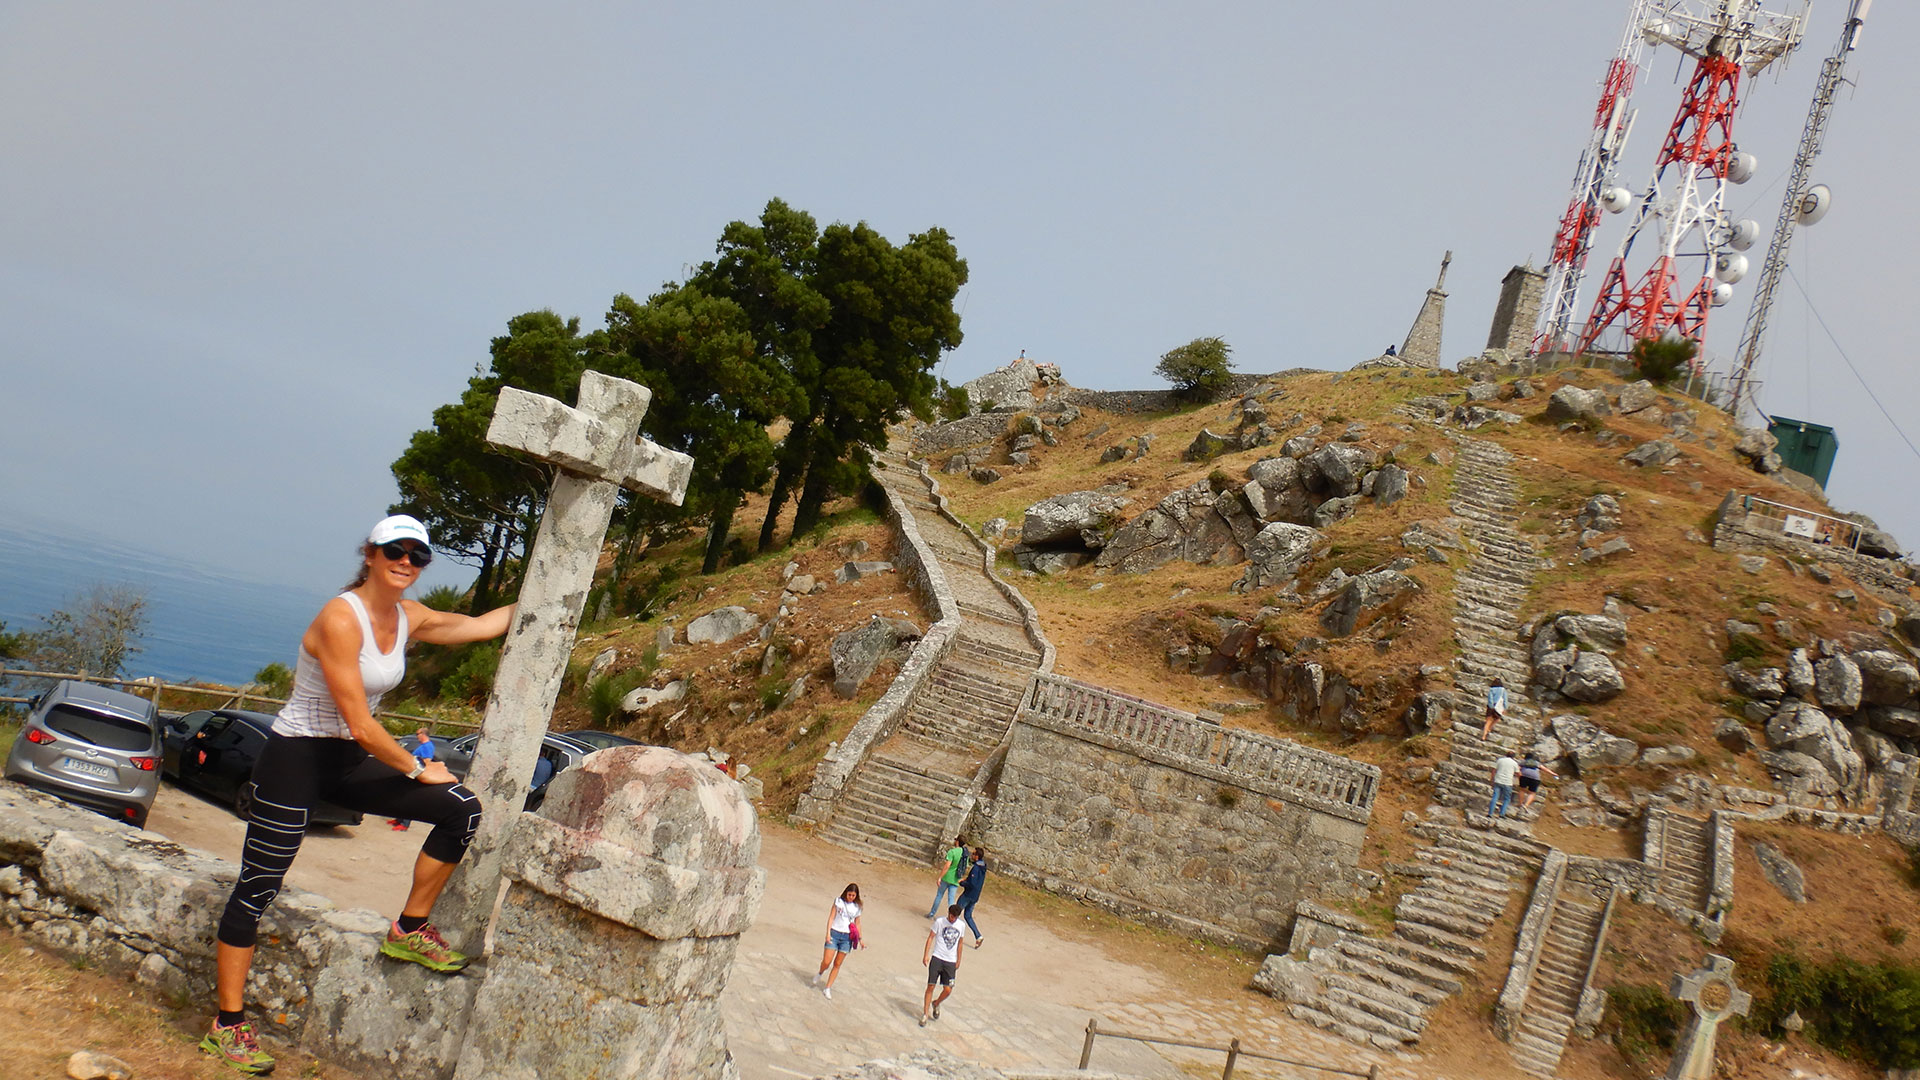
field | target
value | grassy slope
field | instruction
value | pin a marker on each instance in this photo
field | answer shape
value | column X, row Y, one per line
column 1118, row 636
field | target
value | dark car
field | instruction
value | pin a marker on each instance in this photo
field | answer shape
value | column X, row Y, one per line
column 213, row 752
column 601, row 740
column 560, row 752
column 91, row 746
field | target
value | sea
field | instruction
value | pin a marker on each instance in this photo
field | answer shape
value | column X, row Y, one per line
column 200, row 624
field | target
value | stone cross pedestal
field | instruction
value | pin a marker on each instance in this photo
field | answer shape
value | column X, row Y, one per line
column 598, row 450
column 630, row 890
column 1714, row 998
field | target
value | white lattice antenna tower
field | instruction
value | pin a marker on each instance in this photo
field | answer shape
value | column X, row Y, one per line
column 1594, row 186
column 1802, row 205
column 1698, row 261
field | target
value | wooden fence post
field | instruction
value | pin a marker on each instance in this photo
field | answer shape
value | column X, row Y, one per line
column 1086, row 1051
column 1233, row 1055
column 1373, row 1072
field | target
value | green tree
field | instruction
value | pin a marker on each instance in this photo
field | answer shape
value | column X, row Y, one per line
column 1200, row 370
column 275, row 680
column 15, row 644
column 714, row 393
column 482, row 504
column 96, row 633
column 857, row 323
column 1663, row 359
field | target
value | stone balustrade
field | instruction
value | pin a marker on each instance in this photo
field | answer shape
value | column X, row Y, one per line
column 1317, row 778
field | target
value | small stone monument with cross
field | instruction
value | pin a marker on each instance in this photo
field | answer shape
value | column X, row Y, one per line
column 598, row 450
column 1714, row 998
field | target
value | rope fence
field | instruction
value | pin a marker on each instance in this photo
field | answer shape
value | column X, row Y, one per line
column 226, row 697
column 1232, row 1049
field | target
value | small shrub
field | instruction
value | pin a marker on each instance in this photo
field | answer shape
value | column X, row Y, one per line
column 275, row 680
column 1868, row 1010
column 1644, row 1020
column 1895, row 935
column 1227, row 797
column 1662, row 360
column 1200, row 370
column 441, row 598
column 1744, row 647
column 951, row 401
column 472, row 678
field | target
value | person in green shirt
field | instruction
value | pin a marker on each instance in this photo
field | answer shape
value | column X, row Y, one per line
column 948, row 867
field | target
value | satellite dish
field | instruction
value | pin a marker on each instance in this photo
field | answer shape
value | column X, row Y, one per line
column 1729, row 267
column 1745, row 232
column 1722, row 293
column 1814, row 204
column 1615, row 199
column 1741, row 166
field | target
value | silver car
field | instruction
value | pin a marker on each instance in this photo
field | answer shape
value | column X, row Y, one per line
column 92, row 746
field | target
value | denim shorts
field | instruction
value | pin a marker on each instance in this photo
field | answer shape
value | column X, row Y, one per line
column 839, row 941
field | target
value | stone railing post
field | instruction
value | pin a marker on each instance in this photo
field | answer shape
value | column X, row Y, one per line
column 629, row 893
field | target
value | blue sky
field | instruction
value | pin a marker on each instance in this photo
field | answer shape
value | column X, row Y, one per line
column 246, row 249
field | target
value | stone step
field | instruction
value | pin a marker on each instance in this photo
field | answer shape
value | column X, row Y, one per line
column 976, row 649
column 1341, row 1006
column 1325, row 1020
column 1424, row 933
column 1492, row 875
column 1411, row 909
column 1396, row 1010
column 1373, row 969
column 1411, row 967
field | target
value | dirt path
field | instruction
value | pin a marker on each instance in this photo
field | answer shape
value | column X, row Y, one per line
column 1023, row 1000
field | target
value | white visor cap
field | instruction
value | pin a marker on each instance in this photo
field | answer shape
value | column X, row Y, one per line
column 399, row 527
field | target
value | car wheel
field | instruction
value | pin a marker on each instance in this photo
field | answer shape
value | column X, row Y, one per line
column 243, row 803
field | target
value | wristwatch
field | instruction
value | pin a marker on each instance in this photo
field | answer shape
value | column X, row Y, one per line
column 419, row 766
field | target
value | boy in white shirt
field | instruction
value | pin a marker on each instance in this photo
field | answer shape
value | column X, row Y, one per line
column 942, row 957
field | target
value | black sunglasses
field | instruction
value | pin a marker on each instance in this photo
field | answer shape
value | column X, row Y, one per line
column 396, row 551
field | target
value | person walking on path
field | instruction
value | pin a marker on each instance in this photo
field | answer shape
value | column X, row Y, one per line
column 1496, row 707
column 1505, row 770
column 1530, row 769
column 422, row 751
column 843, row 936
column 970, row 892
column 325, row 744
column 948, row 867
column 942, row 957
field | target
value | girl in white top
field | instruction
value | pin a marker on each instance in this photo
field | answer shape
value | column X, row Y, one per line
column 843, row 936
column 327, row 745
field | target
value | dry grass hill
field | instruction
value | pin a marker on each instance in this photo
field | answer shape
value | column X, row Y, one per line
column 1615, row 543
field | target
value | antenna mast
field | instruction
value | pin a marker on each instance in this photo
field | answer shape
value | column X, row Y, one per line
column 1694, row 270
column 1802, row 205
column 1593, row 186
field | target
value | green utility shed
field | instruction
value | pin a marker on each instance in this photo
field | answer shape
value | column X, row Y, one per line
column 1806, row 447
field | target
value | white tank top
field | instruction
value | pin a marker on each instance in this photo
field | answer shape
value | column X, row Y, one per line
column 311, row 711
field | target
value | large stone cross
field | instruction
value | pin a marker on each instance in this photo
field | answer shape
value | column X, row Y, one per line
column 598, row 450
column 1714, row 998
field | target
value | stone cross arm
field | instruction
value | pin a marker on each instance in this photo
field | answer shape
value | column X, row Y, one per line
column 1712, row 991
column 598, row 439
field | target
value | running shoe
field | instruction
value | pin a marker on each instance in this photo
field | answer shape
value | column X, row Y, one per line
column 425, row 947
column 237, row 1047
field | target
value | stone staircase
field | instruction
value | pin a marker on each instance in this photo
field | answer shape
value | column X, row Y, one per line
column 1488, row 592
column 1379, row 991
column 898, row 801
column 1686, row 853
column 1553, row 997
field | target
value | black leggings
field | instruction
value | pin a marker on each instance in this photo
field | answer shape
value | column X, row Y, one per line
column 292, row 774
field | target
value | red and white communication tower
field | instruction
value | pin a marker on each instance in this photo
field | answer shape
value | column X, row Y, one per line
column 1699, row 256
column 1594, row 187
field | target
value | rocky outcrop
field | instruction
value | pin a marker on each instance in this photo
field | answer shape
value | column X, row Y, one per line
column 1196, row 524
column 1364, row 599
column 1068, row 530
column 1571, row 403
column 858, row 652
column 1276, row 555
column 721, row 625
column 1570, row 658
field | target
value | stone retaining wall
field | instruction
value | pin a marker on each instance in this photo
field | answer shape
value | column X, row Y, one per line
column 133, row 903
column 1736, row 529
column 1167, row 819
column 1526, row 950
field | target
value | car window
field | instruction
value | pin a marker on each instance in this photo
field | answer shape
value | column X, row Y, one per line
column 194, row 721
column 213, row 725
column 248, row 740
column 230, row 735
column 101, row 729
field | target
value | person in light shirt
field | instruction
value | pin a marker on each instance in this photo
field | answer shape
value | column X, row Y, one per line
column 942, row 957
column 1496, row 707
column 843, row 936
column 1505, row 771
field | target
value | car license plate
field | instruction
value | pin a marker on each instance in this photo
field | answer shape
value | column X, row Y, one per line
column 89, row 768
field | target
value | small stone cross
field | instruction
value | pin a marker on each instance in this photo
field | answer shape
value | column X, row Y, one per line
column 1714, row 998
column 598, row 450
